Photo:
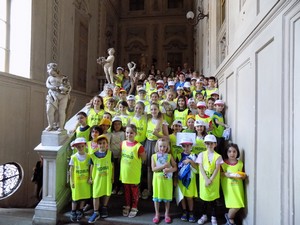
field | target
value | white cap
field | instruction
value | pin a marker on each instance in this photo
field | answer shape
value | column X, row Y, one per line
column 160, row 89
column 200, row 123
column 130, row 98
column 187, row 85
column 142, row 89
column 79, row 140
column 160, row 82
column 214, row 93
column 210, row 138
column 219, row 102
column 186, row 141
column 179, row 88
column 177, row 122
column 171, row 83
column 116, row 118
column 191, row 100
column 120, row 68
column 201, row 104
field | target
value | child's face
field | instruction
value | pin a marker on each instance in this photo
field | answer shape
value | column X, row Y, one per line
column 210, row 145
column 81, row 119
column 181, row 103
column 199, row 97
column 102, row 143
column 232, row 153
column 119, row 71
column 180, row 92
column 198, row 84
column 177, row 128
column 95, row 134
column 161, row 93
column 219, row 108
column 154, row 97
column 216, row 97
column 152, row 83
column 130, row 134
column 199, row 128
column 123, row 95
column 80, row 147
column 154, row 110
column 106, row 116
column 131, row 103
column 110, row 105
column 187, row 148
column 97, row 101
column 104, row 127
column 211, row 83
column 193, row 105
column 201, row 110
column 142, row 95
column 170, row 96
column 117, row 125
column 210, row 104
column 190, row 123
column 109, row 92
column 122, row 108
column 181, row 77
column 139, row 109
column 162, row 147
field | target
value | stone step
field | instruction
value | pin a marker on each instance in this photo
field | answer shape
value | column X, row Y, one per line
column 145, row 214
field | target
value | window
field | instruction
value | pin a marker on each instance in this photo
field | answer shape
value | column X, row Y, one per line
column 11, row 176
column 136, row 5
column 15, row 37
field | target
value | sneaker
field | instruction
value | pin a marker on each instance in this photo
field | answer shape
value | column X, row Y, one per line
column 94, row 217
column 73, row 216
column 145, row 194
column 184, row 216
column 79, row 215
column 214, row 221
column 202, row 220
column 104, row 212
column 192, row 218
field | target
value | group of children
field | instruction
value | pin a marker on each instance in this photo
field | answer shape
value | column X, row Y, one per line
column 118, row 145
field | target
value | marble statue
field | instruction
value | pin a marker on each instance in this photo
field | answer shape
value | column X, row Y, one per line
column 57, row 99
column 107, row 64
column 131, row 66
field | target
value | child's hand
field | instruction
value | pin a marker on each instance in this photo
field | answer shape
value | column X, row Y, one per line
column 90, row 181
column 186, row 161
column 207, row 182
column 167, row 165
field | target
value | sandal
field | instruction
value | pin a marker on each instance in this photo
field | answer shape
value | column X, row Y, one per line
column 126, row 210
column 168, row 219
column 133, row 212
column 155, row 219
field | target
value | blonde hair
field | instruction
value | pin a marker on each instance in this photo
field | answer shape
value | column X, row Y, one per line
column 162, row 140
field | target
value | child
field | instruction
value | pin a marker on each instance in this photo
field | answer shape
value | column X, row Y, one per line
column 176, row 127
column 142, row 96
column 92, row 145
column 105, row 125
column 211, row 87
column 156, row 128
column 209, row 183
column 110, row 105
column 131, row 104
column 218, row 126
column 210, row 107
column 163, row 166
column 202, row 116
column 187, row 168
column 140, row 121
column 83, row 130
column 123, row 106
column 96, row 111
column 200, row 128
column 119, row 76
column 192, row 106
column 132, row 154
column 232, row 186
column 182, row 110
column 190, row 120
column 101, row 178
column 79, row 175
column 117, row 136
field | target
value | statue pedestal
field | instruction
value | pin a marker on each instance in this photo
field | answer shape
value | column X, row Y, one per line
column 54, row 138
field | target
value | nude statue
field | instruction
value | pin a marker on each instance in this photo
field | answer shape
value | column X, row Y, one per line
column 107, row 64
column 131, row 66
column 57, row 99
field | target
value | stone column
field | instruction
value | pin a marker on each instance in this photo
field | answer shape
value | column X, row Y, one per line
column 56, row 193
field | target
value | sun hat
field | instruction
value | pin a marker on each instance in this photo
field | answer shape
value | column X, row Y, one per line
column 177, row 122
column 186, row 141
column 79, row 140
column 200, row 123
column 102, row 136
column 160, row 82
column 105, row 121
column 190, row 101
column 210, row 138
column 215, row 93
column 117, row 118
column 219, row 102
column 130, row 98
column 201, row 105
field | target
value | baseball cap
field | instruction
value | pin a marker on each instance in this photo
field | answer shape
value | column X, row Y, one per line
column 130, row 98
column 191, row 100
column 102, row 137
column 186, row 141
column 105, row 121
column 123, row 90
column 142, row 89
column 120, row 68
column 200, row 123
column 116, row 118
column 187, row 85
column 210, row 138
column 171, row 83
column 177, row 122
column 179, row 88
column 201, row 105
column 79, row 140
column 160, row 82
column 219, row 102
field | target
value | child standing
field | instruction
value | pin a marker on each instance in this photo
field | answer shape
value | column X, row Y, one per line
column 132, row 154
column 140, row 121
column 190, row 120
column 200, row 128
column 232, row 183
column 96, row 111
column 83, row 130
column 117, row 136
column 209, row 183
column 176, row 127
column 187, row 168
column 92, row 145
column 163, row 167
column 182, row 110
column 101, row 171
column 79, row 175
